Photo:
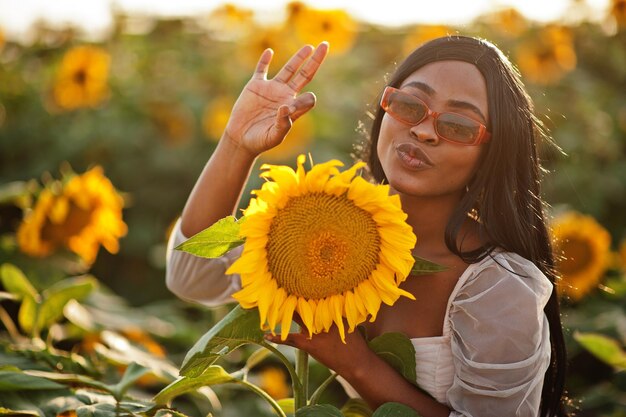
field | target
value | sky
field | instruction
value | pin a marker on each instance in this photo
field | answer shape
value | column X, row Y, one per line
column 16, row 16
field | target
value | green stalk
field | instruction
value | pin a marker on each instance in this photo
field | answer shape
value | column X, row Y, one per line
column 318, row 392
column 292, row 371
column 263, row 395
column 302, row 370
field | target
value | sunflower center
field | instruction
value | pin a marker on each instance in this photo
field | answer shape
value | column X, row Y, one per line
column 80, row 76
column 578, row 255
column 320, row 245
column 77, row 219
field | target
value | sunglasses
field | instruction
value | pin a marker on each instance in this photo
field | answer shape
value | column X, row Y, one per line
column 452, row 127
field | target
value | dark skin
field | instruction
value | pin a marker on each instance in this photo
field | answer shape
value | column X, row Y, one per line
column 259, row 121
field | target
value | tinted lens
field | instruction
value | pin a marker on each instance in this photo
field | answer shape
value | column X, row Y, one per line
column 406, row 107
column 457, row 128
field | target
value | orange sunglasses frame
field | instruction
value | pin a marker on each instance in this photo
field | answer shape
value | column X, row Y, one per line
column 483, row 134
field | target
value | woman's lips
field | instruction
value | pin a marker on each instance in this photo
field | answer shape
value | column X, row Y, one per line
column 412, row 156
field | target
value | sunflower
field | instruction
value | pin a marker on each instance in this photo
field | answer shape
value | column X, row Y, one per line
column 335, row 26
column 545, row 59
column 215, row 116
column 617, row 9
column 273, row 380
column 81, row 215
column 324, row 244
column 278, row 37
column 583, row 249
column 422, row 34
column 230, row 22
column 508, row 22
column 82, row 78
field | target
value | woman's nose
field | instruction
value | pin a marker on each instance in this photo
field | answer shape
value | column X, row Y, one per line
column 425, row 131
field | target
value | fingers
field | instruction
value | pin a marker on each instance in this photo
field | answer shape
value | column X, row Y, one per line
column 296, row 340
column 308, row 70
column 290, row 75
column 302, row 104
column 290, row 68
column 264, row 63
column 282, row 124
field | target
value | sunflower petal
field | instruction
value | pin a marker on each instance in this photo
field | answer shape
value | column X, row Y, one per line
column 336, row 304
column 287, row 315
column 306, row 313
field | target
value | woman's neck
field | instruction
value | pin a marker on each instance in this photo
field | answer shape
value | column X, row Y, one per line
column 429, row 217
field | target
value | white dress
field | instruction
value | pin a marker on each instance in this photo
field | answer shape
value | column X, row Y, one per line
column 495, row 345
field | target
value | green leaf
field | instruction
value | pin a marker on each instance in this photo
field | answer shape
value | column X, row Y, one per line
column 397, row 350
column 425, row 267
column 216, row 240
column 70, row 379
column 15, row 282
column 133, row 373
column 14, row 381
column 356, row 407
column 9, row 412
column 57, row 296
column 319, row 410
column 213, row 375
column 237, row 328
column 604, row 348
column 27, row 314
column 395, row 410
column 172, row 413
column 288, row 405
column 97, row 410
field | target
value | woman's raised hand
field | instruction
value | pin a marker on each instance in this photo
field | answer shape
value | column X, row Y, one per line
column 265, row 109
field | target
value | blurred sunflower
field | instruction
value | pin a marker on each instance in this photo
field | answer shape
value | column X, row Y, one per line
column 273, row 380
column 617, row 10
column 547, row 57
column 81, row 215
column 173, row 120
column 313, row 26
column 299, row 136
column 295, row 10
column 583, row 249
column 82, row 80
column 508, row 22
column 230, row 21
column 422, row 34
column 2, row 41
column 279, row 38
column 215, row 116
column 324, row 244
column 68, row 413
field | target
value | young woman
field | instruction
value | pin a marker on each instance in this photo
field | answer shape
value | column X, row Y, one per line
column 455, row 137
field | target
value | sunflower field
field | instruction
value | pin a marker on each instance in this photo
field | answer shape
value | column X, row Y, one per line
column 102, row 140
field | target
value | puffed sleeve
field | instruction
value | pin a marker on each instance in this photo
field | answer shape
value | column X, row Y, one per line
column 500, row 340
column 198, row 279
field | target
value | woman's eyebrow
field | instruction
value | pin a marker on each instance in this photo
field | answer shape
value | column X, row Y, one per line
column 421, row 86
column 459, row 104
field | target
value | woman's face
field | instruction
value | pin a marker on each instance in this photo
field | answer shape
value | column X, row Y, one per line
column 415, row 160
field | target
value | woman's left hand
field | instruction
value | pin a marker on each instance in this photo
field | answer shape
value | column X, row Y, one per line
column 328, row 349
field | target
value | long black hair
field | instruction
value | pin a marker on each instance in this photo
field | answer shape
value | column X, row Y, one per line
column 504, row 193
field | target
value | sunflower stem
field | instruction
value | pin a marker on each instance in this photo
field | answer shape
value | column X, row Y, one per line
column 292, row 371
column 318, row 392
column 302, row 370
column 263, row 395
